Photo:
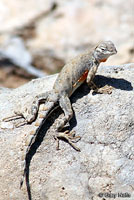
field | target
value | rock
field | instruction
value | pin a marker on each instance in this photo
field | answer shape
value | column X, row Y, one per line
column 105, row 165
column 15, row 51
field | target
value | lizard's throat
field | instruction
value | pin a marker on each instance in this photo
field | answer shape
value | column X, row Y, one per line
column 99, row 58
column 103, row 60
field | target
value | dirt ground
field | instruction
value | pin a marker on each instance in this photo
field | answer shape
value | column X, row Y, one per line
column 12, row 77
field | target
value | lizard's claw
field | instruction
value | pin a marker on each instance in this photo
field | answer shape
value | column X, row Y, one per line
column 70, row 137
column 17, row 125
column 15, row 117
column 18, row 120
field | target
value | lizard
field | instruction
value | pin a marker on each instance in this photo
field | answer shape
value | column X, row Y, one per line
column 80, row 69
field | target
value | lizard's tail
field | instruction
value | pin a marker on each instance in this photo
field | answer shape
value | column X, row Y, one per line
column 44, row 111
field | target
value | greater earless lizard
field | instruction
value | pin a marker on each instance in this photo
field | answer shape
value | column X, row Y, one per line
column 73, row 74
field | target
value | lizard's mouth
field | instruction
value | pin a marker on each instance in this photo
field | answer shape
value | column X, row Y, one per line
column 113, row 52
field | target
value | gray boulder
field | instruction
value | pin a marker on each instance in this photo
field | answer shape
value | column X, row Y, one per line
column 105, row 165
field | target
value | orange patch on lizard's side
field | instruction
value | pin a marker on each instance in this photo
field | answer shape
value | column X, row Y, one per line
column 84, row 76
column 103, row 60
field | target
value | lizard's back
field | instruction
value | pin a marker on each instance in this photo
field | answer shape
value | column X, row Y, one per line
column 72, row 72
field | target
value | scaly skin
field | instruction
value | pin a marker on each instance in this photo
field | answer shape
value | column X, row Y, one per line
column 74, row 73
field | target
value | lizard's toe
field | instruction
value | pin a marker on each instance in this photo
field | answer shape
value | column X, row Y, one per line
column 69, row 137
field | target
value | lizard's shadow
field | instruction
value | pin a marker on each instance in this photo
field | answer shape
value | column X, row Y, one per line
column 121, row 84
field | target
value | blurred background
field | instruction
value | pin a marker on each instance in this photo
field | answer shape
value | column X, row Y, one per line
column 37, row 37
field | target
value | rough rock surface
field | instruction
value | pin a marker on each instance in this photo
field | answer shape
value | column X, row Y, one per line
column 105, row 123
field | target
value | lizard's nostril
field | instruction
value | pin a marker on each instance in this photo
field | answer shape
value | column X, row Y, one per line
column 115, row 51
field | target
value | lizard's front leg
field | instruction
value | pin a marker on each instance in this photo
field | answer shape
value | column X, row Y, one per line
column 102, row 90
column 91, row 75
column 65, row 104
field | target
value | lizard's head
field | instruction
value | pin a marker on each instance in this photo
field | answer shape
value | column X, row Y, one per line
column 104, row 50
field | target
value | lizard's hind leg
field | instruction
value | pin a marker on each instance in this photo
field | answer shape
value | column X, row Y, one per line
column 70, row 137
column 31, row 115
column 28, row 114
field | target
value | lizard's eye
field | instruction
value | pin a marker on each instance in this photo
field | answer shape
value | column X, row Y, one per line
column 102, row 48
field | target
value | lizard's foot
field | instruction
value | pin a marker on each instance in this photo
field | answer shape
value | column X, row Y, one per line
column 22, row 123
column 69, row 137
column 18, row 120
column 14, row 117
column 105, row 90
column 26, row 117
column 102, row 90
